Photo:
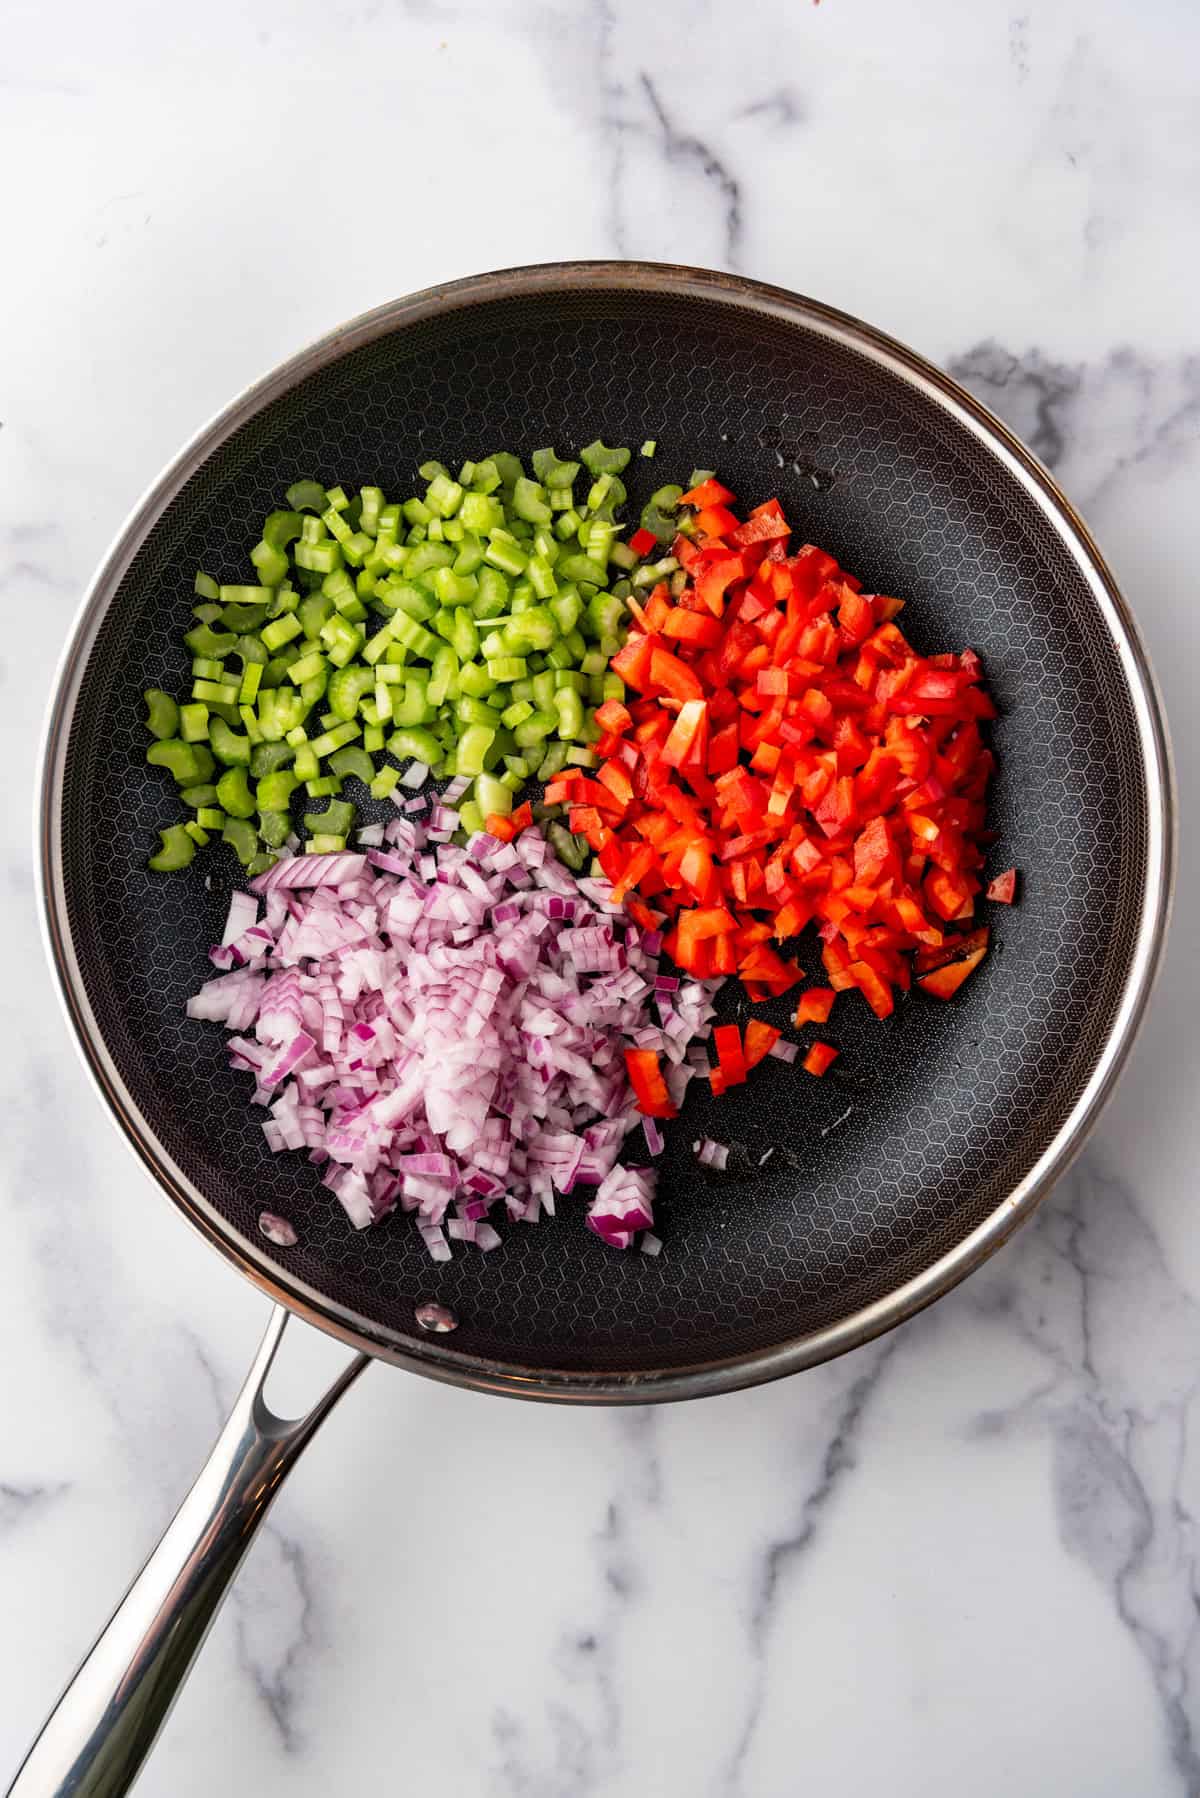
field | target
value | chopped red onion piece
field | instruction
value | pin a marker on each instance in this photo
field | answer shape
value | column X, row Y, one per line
column 277, row 1230
column 783, row 1050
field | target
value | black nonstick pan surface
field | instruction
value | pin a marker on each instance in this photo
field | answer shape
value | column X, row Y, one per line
column 942, row 1126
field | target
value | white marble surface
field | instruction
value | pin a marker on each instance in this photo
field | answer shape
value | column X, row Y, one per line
column 963, row 1560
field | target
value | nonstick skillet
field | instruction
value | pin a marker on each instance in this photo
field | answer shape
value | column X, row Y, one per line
column 889, row 1182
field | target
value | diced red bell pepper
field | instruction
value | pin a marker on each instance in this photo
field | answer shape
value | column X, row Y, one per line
column 761, row 1038
column 642, row 542
column 728, row 1043
column 708, row 493
column 815, row 1005
column 613, row 716
column 820, row 1059
column 649, row 1086
column 498, row 825
column 1003, row 889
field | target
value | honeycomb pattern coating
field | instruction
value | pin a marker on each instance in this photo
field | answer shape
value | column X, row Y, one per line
column 930, row 1118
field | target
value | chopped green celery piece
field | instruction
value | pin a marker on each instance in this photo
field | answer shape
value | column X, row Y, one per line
column 470, row 816
column 480, row 512
column 416, row 512
column 336, row 820
column 660, row 513
column 569, row 677
column 544, row 690
column 193, row 723
column 342, row 641
column 581, row 757
column 312, row 530
column 598, row 459
column 509, row 469
column 188, row 762
column 621, row 554
column 228, row 747
column 273, row 827
column 466, row 636
column 307, row 496
column 305, row 667
column 162, row 713
column 604, row 615
column 281, row 528
column 516, row 713
column 614, row 687
column 533, row 628
column 599, row 543
column 251, row 681
column 505, row 553
column 207, row 614
column 325, row 844
column 493, row 594
column 337, row 499
column 559, row 655
column 491, row 795
column 373, row 738
column 205, row 586
column 274, row 791
column 414, row 636
column 324, row 787
column 550, row 471
column 473, row 711
column 535, row 728
column 553, row 761
column 204, row 668
column 177, row 850
column 582, row 568
column 384, row 782
column 648, row 448
column 565, row 608
column 335, row 738
column 415, row 744
column 469, row 558
column 252, row 653
column 529, row 501
column 569, row 706
column 454, row 589
column 348, row 687
column 204, row 641
column 574, row 641
column 412, row 706
column 242, row 838
column 567, row 524
column 383, row 704
column 281, row 631
column 307, row 764
column 475, row 681
column 210, row 817
column 314, row 687
column 473, row 745
column 510, row 780
column 321, row 558
column 507, row 668
column 265, row 758
column 542, row 576
column 561, row 498
column 598, row 491
column 374, row 648
column 372, row 506
column 353, row 762
column 271, row 563
column 197, row 833
column 430, row 470
column 569, row 849
column 202, row 794
column 593, row 663
column 699, row 475
column 486, row 477
column 234, row 795
column 443, row 496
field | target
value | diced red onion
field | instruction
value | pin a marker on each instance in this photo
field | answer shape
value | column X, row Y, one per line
column 415, row 775
column 276, row 1229
column 783, row 1050
column 443, row 1029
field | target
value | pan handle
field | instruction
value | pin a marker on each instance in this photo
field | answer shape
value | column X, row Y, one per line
column 95, row 1739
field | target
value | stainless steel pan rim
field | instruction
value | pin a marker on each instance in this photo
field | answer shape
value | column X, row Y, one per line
column 437, row 1359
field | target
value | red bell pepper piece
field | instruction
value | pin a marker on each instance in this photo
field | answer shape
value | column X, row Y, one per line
column 815, row 1005
column 1003, row 888
column 820, row 1059
column 761, row 1038
column 642, row 542
column 649, row 1087
column 708, row 493
column 728, row 1043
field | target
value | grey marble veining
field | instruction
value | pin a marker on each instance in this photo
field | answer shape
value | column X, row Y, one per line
column 964, row 1559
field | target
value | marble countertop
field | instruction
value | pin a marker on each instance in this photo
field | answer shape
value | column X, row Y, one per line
column 961, row 1560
